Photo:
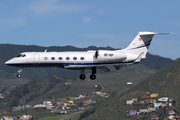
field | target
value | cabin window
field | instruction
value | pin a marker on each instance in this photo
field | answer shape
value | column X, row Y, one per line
column 82, row 58
column 67, row 58
column 74, row 58
column 53, row 58
column 60, row 58
column 45, row 58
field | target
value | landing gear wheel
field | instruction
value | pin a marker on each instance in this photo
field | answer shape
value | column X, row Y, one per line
column 82, row 76
column 18, row 75
column 92, row 77
column 19, row 72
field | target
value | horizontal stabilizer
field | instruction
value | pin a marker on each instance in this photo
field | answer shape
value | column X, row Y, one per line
column 152, row 33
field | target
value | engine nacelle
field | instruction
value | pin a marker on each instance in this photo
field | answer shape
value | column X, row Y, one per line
column 107, row 55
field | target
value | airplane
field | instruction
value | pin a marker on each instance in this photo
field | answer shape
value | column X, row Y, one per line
column 105, row 60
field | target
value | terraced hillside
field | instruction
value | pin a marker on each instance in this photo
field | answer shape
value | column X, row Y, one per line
column 165, row 82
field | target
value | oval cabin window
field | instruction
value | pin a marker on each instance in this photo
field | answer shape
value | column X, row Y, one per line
column 82, row 58
column 60, row 58
column 74, row 58
column 53, row 58
column 67, row 58
column 45, row 58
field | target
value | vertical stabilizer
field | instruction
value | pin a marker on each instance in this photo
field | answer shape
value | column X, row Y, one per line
column 140, row 44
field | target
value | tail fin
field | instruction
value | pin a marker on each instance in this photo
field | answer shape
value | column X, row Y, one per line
column 140, row 44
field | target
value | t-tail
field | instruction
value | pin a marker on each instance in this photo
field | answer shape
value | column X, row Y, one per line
column 138, row 48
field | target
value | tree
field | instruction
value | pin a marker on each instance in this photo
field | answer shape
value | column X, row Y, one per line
column 87, row 113
column 14, row 103
column 114, row 93
column 26, row 90
column 174, row 103
column 80, row 104
column 19, row 95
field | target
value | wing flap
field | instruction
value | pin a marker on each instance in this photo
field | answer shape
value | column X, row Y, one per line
column 110, row 68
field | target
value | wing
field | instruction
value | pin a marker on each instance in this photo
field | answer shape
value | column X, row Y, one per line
column 104, row 67
column 110, row 68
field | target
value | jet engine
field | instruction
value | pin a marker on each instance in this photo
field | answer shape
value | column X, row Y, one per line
column 107, row 55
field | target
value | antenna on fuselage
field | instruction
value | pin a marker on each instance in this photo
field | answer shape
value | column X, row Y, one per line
column 45, row 50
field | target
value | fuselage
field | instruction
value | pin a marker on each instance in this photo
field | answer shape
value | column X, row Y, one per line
column 71, row 60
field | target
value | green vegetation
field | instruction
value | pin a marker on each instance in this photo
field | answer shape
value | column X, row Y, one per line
column 87, row 113
column 165, row 82
column 77, row 117
column 23, row 94
column 51, row 117
column 53, row 87
column 36, row 113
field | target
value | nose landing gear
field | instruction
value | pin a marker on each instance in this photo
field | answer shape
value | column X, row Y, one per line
column 19, row 73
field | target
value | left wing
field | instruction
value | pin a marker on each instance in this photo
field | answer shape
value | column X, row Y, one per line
column 103, row 67
column 110, row 68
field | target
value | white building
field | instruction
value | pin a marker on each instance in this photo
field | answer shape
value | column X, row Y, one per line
column 81, row 96
column 129, row 83
column 48, row 103
column 39, row 106
column 165, row 99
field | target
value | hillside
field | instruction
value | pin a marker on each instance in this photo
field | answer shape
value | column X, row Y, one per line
column 34, row 89
column 6, row 85
column 157, row 62
column 53, row 87
column 165, row 82
column 137, row 74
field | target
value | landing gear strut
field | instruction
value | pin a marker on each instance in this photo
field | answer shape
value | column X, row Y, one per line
column 19, row 73
column 93, row 76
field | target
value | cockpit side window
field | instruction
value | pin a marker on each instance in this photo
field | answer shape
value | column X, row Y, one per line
column 21, row 55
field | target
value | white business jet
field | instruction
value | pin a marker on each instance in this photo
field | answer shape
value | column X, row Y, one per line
column 105, row 60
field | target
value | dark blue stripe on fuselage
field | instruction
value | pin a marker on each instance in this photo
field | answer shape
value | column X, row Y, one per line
column 60, row 64
column 141, row 46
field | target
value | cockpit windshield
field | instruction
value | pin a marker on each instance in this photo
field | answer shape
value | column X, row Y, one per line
column 21, row 55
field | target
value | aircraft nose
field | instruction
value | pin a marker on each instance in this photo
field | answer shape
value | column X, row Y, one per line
column 7, row 62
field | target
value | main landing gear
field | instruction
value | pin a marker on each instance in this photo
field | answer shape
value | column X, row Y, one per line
column 92, row 76
column 82, row 76
column 19, row 73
